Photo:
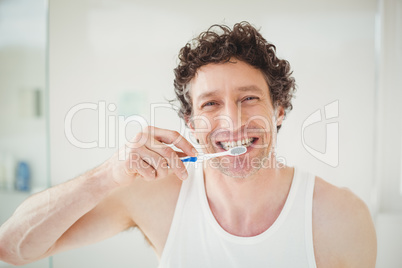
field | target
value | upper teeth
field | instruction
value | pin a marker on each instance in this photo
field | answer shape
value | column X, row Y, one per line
column 231, row 144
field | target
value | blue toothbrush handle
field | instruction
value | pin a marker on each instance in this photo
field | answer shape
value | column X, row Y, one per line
column 189, row 159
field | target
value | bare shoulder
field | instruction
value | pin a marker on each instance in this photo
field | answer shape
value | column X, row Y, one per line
column 343, row 230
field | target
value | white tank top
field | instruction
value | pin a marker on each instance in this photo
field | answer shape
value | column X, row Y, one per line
column 197, row 240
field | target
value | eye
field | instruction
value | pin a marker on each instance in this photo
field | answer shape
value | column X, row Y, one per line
column 250, row 98
column 210, row 103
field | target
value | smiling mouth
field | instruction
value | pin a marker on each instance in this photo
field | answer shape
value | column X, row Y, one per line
column 227, row 145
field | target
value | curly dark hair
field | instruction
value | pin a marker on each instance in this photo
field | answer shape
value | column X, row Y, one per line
column 244, row 43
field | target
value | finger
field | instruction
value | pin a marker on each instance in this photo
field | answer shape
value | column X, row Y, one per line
column 173, row 137
column 136, row 165
column 146, row 170
column 172, row 158
column 156, row 161
column 181, row 154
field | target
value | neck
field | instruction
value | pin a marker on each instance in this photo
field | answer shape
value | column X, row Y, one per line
column 239, row 203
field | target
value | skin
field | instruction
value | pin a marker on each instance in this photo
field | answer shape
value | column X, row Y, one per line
column 138, row 193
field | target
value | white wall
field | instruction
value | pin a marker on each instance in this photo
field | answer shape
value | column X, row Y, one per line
column 100, row 50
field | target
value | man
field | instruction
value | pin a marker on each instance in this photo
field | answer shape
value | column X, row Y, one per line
column 230, row 211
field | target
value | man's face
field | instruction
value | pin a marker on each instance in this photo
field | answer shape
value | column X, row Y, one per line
column 232, row 107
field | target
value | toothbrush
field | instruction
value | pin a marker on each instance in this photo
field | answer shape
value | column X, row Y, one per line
column 233, row 152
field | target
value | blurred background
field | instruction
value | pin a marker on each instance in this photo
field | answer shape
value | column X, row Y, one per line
column 79, row 77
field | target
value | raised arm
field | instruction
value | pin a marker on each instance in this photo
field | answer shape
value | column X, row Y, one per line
column 91, row 207
column 35, row 227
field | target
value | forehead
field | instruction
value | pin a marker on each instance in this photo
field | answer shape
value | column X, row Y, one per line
column 226, row 78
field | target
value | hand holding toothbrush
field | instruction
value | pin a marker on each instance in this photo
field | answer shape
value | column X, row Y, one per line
column 148, row 156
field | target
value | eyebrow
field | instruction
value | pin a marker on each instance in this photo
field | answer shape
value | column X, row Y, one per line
column 251, row 88
column 213, row 93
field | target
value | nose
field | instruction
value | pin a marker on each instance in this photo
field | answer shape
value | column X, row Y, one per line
column 231, row 117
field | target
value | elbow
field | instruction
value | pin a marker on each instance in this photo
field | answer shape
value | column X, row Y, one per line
column 4, row 255
column 7, row 256
column 12, row 255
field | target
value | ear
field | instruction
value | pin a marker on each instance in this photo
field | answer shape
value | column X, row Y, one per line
column 280, row 115
column 190, row 125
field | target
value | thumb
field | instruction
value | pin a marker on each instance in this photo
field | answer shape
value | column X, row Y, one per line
column 181, row 154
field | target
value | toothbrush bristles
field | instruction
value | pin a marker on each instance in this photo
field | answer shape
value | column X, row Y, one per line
column 238, row 150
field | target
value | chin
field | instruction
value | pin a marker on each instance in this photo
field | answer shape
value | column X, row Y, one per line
column 235, row 167
column 239, row 174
